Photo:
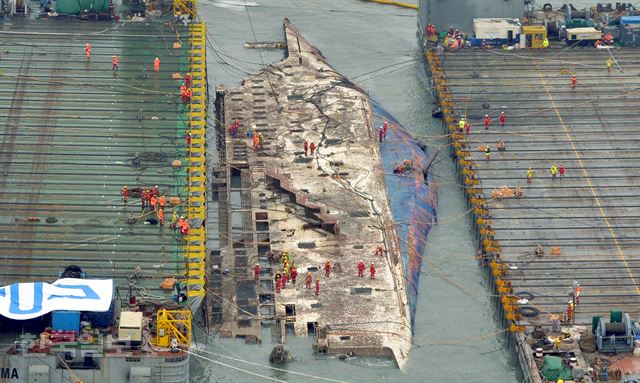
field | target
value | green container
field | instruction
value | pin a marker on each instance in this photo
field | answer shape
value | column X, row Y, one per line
column 579, row 23
column 74, row 7
column 594, row 324
column 615, row 316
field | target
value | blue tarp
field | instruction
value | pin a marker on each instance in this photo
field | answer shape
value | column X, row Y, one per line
column 413, row 200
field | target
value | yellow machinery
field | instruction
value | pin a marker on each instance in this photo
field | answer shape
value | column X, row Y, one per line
column 185, row 7
column 173, row 324
column 536, row 34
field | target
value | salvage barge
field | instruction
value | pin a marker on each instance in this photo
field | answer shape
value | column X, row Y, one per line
column 561, row 252
column 284, row 206
column 74, row 132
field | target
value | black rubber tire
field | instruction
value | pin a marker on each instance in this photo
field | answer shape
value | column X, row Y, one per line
column 529, row 311
column 547, row 7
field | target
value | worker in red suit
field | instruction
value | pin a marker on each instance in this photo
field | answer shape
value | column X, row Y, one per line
column 379, row 251
column 114, row 63
column 307, row 280
column 306, row 147
column 372, row 270
column 156, row 64
column 385, row 126
column 294, row 274
column 467, row 127
column 154, row 191
column 361, row 268
column 87, row 51
column 256, row 271
column 327, row 268
column 187, row 80
column 278, row 284
column 183, row 93
column 487, row 121
column 285, row 277
column 503, row 118
column 188, row 140
column 574, row 82
column 125, row 193
column 312, row 148
column 380, row 134
column 317, row 286
column 561, row 170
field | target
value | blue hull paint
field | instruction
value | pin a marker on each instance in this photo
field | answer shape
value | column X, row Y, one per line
column 413, row 198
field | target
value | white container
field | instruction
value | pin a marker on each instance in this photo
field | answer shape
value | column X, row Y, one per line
column 496, row 28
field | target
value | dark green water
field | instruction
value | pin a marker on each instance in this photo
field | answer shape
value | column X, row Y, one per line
column 454, row 323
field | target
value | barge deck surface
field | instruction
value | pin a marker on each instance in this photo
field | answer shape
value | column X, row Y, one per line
column 72, row 136
column 591, row 214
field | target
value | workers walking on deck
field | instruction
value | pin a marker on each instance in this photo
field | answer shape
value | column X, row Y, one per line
column 125, row 194
column 156, row 65
column 174, row 220
column 609, row 64
column 561, row 170
column 545, row 43
column 256, row 271
column 187, row 80
column 160, row 214
column 503, row 118
column 372, row 271
column 361, row 268
column 114, row 63
column 327, row 268
column 487, row 153
column 307, row 280
column 317, row 286
column 574, row 82
column 294, row 273
column 154, row 190
column 530, row 174
column 153, row 201
column 312, row 148
column 554, row 172
column 487, row 121
column 87, row 50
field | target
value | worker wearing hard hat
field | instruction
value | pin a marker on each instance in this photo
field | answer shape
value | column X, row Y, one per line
column 545, row 43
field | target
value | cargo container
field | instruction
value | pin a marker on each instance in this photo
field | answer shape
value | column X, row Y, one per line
column 629, row 20
column 505, row 29
column 583, row 36
column 65, row 321
column 630, row 35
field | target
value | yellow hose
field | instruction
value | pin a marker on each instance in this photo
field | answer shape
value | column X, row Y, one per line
column 396, row 3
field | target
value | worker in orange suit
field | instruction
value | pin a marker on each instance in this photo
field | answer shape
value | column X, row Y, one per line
column 361, row 268
column 503, row 118
column 372, row 271
column 183, row 93
column 162, row 201
column 125, row 193
column 189, row 94
column 327, row 268
column 114, row 63
column 156, row 64
column 153, row 200
column 317, row 286
column 256, row 271
column 160, row 214
column 307, row 280
column 87, row 50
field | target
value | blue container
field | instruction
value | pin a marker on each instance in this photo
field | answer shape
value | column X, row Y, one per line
column 627, row 20
column 65, row 321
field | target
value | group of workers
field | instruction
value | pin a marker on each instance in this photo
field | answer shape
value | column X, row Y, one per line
column 554, row 170
column 151, row 199
column 308, row 147
column 290, row 272
column 606, row 40
column 382, row 131
column 403, row 168
column 258, row 139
